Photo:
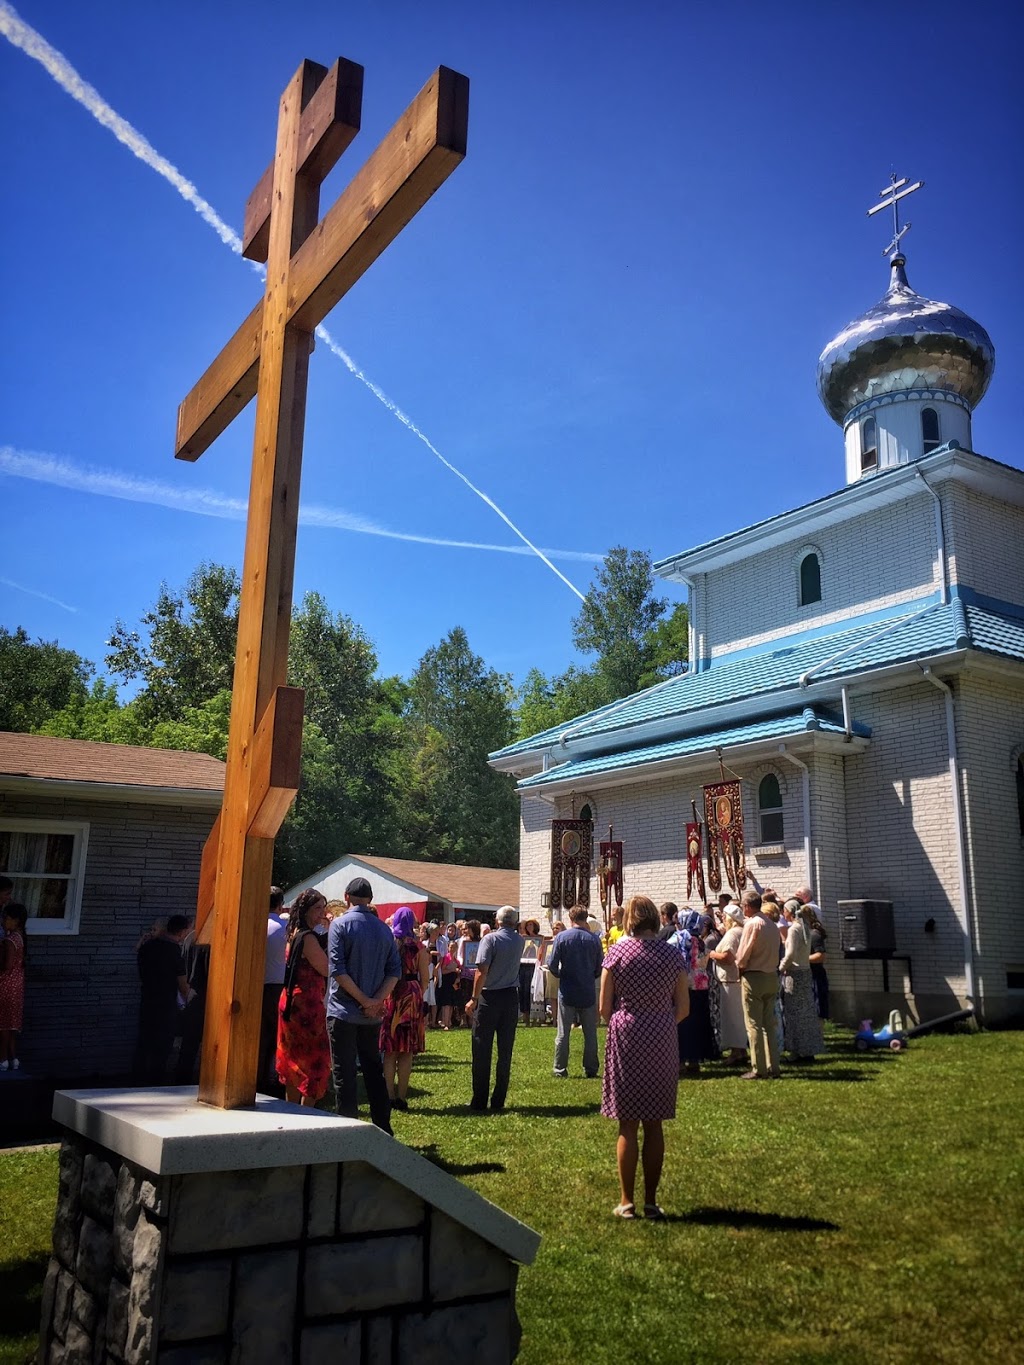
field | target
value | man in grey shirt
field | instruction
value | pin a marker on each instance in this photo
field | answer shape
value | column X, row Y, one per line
column 494, row 1009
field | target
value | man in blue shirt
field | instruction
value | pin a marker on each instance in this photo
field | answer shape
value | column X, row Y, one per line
column 494, row 1009
column 576, row 960
column 364, row 967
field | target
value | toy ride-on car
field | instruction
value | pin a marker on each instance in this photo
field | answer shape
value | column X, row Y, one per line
column 893, row 1035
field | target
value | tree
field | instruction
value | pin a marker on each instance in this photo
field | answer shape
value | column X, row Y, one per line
column 99, row 716
column 37, row 679
column 546, row 702
column 461, row 710
column 185, row 654
column 669, row 646
column 349, row 797
column 616, row 620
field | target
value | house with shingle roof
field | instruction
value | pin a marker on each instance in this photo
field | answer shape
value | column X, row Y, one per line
column 858, row 663
column 433, row 891
column 100, row 841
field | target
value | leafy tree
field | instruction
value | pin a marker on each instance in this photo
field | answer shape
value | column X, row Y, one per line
column 352, row 740
column 616, row 618
column 185, row 653
column 668, row 643
column 98, row 715
column 546, row 702
column 463, row 811
column 37, row 679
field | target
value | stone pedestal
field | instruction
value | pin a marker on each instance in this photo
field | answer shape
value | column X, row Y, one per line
column 190, row 1234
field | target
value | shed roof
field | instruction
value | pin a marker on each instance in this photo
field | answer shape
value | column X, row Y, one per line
column 84, row 763
column 443, row 881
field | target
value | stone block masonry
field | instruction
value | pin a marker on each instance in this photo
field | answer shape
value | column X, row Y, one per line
column 322, row 1260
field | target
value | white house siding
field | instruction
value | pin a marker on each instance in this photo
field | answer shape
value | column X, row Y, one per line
column 990, row 736
column 984, row 537
column 386, row 890
column 82, row 990
column 881, row 559
column 902, row 845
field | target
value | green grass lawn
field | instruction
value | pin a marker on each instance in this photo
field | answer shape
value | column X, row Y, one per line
column 868, row 1208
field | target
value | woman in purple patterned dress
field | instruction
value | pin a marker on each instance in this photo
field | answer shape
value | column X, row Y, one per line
column 644, row 995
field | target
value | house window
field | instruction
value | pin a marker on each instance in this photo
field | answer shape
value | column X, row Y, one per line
column 769, row 810
column 810, row 579
column 868, row 444
column 930, row 430
column 587, row 814
column 46, row 861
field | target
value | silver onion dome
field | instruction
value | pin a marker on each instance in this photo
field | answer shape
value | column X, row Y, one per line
column 903, row 344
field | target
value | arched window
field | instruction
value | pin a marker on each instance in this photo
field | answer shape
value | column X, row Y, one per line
column 868, row 444
column 769, row 810
column 810, row 579
column 930, row 430
column 587, row 814
column 1020, row 793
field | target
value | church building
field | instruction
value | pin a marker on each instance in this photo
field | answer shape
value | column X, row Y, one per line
column 858, row 663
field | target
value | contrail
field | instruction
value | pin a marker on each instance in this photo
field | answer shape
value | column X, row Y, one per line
column 205, row 502
column 33, row 592
column 34, row 45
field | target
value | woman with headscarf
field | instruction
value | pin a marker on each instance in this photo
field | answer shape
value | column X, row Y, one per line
column 803, row 1034
column 731, row 1029
column 303, row 1052
column 696, row 1040
column 402, row 1025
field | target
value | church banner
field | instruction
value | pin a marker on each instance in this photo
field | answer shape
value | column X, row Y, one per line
column 572, row 851
column 694, row 861
column 723, row 816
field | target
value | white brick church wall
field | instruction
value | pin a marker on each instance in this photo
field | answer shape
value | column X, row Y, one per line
column 881, row 559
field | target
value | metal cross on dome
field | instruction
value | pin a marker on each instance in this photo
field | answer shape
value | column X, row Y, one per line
column 890, row 197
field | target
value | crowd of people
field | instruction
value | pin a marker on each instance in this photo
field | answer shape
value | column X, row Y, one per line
column 740, row 982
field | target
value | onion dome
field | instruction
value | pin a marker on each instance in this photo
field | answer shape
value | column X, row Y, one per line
column 906, row 345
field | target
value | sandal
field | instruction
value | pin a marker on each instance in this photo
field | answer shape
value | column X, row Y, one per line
column 654, row 1213
column 624, row 1211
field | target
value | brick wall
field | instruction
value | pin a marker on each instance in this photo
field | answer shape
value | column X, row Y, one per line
column 983, row 538
column 880, row 559
column 990, row 736
column 82, row 989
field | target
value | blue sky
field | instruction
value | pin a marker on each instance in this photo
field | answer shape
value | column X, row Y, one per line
column 608, row 318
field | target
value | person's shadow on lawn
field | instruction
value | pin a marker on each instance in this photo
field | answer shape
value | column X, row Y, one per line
column 432, row 1153
column 752, row 1218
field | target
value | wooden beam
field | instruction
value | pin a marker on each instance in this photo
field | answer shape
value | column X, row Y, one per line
column 329, row 123
column 276, row 762
column 207, row 884
column 414, row 160
column 233, row 1003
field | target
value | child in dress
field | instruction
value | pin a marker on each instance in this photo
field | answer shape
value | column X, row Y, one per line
column 12, row 983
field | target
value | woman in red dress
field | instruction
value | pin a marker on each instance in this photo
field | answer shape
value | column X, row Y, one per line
column 303, row 1052
column 402, row 1025
column 12, row 983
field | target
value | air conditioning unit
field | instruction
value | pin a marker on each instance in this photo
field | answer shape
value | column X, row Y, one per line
column 866, row 929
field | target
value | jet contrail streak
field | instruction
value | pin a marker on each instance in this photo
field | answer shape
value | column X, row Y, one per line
column 34, row 45
column 205, row 502
column 34, row 592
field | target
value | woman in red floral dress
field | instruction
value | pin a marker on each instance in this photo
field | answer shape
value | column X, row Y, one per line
column 303, row 1051
column 12, row 983
column 402, row 1030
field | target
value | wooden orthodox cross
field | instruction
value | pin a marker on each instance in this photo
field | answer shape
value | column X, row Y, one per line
column 311, row 264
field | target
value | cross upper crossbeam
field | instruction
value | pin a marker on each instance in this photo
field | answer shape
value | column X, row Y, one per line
column 414, row 159
column 310, row 266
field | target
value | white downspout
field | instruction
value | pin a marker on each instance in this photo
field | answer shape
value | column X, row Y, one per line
column 847, row 718
column 799, row 763
column 940, row 538
column 958, row 816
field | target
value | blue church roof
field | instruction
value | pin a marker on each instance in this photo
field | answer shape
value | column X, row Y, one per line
column 772, row 727
column 963, row 623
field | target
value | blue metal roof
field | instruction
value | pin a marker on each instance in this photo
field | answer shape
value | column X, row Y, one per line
column 772, row 727
column 942, row 628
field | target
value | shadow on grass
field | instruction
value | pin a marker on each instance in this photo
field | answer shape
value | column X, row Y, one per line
column 750, row 1218
column 434, row 1156
column 21, row 1292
